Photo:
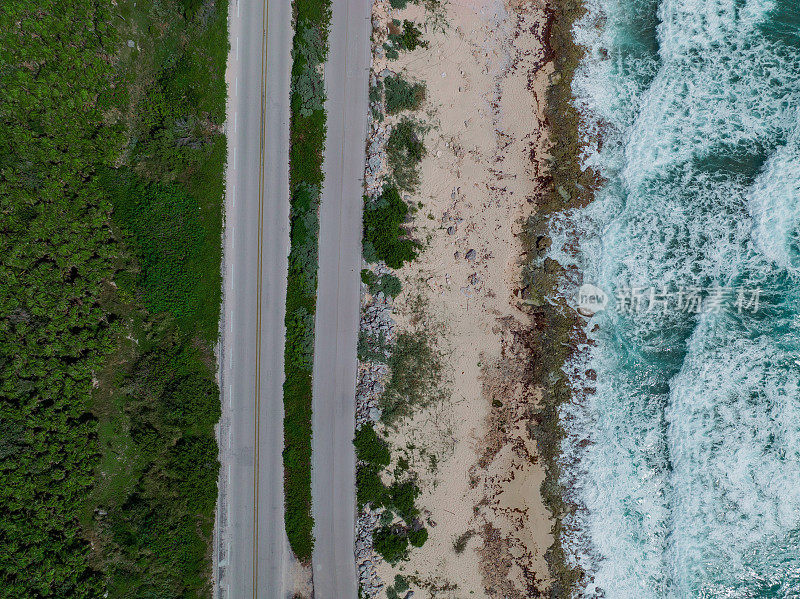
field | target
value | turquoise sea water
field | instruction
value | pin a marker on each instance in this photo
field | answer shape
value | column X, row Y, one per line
column 683, row 446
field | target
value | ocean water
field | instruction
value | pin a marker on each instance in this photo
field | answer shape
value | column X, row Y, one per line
column 683, row 438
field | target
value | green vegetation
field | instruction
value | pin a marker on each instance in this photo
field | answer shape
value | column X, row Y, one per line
column 402, row 95
column 156, row 535
column 391, row 543
column 373, row 456
column 369, row 486
column 392, row 539
column 391, row 52
column 404, row 151
column 415, row 369
column 460, row 544
column 372, row 348
column 375, row 92
column 400, row 586
column 57, row 255
column 408, row 38
column 387, row 283
column 387, row 239
column 307, row 140
column 109, row 399
column 178, row 256
column 370, row 448
column 417, row 538
column 400, row 583
column 384, row 237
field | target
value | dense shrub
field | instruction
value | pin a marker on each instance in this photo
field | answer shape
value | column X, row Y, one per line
column 172, row 404
column 166, row 232
column 402, row 95
column 193, row 461
column 417, row 538
column 400, row 583
column 369, row 278
column 387, row 283
column 91, row 127
column 300, row 340
column 391, row 543
column 370, row 448
column 391, row 53
column 369, row 487
column 383, row 232
column 401, row 497
column 307, row 140
column 390, row 285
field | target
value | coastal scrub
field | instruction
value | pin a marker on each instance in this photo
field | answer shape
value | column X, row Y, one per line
column 307, row 141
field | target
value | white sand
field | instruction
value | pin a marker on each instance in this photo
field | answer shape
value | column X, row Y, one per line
column 483, row 101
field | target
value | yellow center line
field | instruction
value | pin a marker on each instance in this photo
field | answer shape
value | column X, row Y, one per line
column 257, row 418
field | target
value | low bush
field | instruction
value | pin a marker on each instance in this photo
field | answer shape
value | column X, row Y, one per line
column 162, row 224
column 417, row 538
column 370, row 448
column 384, row 236
column 306, row 143
column 388, row 284
column 391, row 543
column 408, row 38
column 404, row 151
column 369, row 486
column 461, row 542
column 401, row 95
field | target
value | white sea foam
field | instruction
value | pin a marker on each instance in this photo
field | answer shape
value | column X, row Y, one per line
column 734, row 439
column 681, row 454
column 774, row 203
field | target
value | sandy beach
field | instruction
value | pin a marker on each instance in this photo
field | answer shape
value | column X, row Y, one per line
column 486, row 70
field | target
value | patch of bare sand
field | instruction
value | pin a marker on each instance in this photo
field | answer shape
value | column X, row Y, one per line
column 486, row 73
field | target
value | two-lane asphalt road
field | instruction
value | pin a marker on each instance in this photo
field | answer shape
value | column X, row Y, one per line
column 333, row 477
column 251, row 549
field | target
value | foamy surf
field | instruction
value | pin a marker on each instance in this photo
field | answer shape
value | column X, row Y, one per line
column 683, row 440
